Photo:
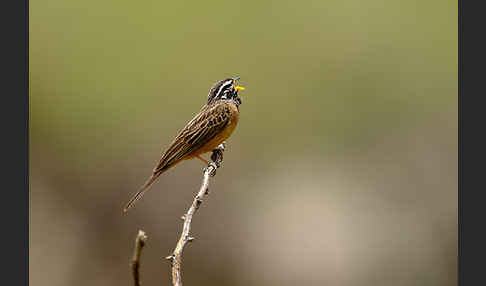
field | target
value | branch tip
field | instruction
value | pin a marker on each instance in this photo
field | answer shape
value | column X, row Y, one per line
column 142, row 236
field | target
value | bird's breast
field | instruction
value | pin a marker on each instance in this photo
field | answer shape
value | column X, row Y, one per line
column 225, row 133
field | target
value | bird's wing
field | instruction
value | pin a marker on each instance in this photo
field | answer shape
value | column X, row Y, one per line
column 210, row 121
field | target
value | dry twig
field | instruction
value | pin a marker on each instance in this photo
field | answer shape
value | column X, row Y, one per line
column 176, row 257
column 139, row 244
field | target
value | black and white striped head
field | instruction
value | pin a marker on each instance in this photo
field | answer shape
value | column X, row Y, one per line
column 225, row 90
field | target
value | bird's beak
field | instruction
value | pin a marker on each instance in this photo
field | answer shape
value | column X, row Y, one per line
column 237, row 87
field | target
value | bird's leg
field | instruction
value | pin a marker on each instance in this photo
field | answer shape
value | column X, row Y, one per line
column 202, row 160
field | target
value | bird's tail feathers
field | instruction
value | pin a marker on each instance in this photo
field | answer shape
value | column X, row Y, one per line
column 142, row 191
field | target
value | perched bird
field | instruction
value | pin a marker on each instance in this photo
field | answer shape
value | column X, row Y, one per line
column 213, row 124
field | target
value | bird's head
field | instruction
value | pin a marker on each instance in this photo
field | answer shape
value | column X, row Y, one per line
column 225, row 89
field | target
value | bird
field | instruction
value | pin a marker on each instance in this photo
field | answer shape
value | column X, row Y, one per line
column 211, row 126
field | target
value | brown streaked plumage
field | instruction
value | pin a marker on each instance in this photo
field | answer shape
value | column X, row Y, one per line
column 214, row 123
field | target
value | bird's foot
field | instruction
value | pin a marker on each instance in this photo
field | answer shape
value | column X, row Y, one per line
column 212, row 166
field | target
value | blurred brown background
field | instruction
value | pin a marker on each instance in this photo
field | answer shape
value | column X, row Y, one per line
column 342, row 171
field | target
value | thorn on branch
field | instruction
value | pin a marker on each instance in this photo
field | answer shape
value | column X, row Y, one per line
column 170, row 257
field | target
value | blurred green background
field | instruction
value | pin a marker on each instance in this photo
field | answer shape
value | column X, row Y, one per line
column 342, row 171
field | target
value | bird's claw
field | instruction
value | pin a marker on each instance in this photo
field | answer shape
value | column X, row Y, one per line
column 214, row 166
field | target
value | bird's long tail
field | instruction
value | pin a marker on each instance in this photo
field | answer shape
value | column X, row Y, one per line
column 142, row 191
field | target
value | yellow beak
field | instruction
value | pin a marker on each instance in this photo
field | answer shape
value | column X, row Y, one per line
column 238, row 88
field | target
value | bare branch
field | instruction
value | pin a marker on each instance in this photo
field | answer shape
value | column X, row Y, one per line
column 176, row 257
column 139, row 244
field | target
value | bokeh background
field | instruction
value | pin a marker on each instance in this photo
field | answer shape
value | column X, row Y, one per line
column 342, row 171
